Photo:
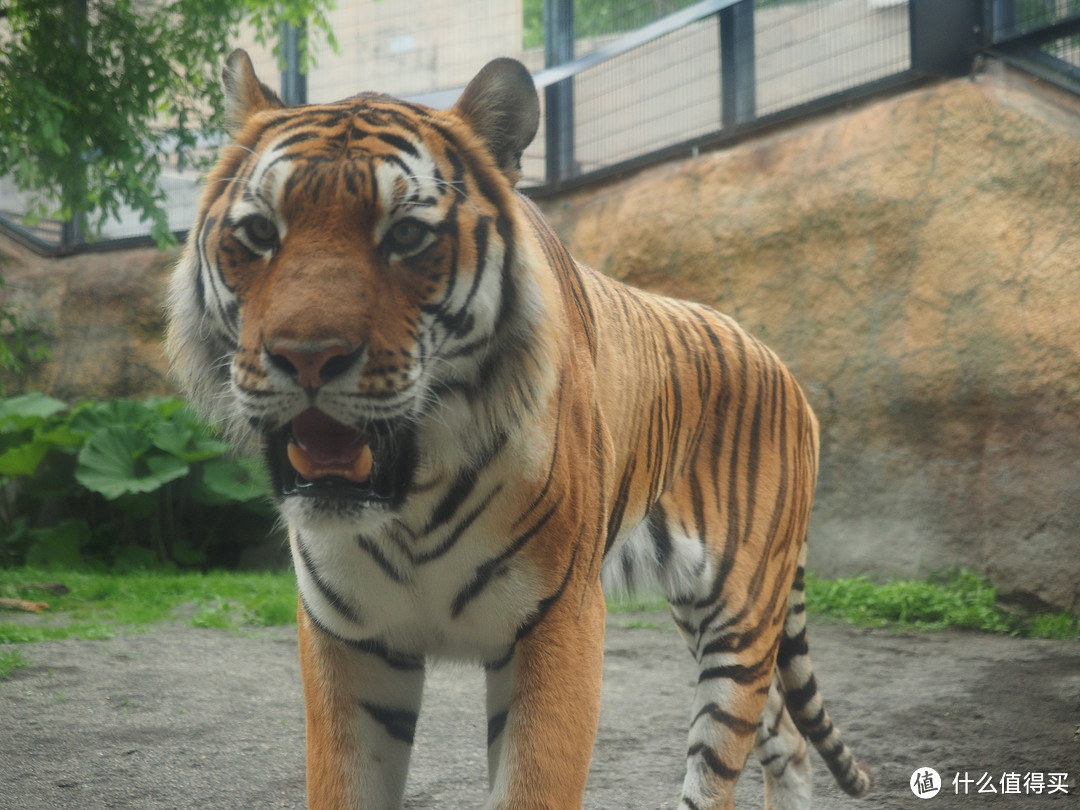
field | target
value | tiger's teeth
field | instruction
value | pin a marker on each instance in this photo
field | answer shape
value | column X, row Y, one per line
column 363, row 464
column 358, row 471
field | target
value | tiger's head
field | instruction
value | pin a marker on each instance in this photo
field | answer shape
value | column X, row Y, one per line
column 356, row 281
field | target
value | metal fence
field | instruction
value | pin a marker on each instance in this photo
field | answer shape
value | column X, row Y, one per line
column 728, row 66
column 1041, row 36
column 628, row 81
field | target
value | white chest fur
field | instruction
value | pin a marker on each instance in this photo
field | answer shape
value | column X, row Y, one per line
column 450, row 591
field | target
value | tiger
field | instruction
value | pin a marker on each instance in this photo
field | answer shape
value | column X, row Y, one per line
column 471, row 438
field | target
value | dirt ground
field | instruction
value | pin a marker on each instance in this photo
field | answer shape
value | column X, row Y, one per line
column 187, row 718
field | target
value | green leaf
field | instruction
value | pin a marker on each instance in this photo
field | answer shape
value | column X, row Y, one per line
column 113, row 462
column 186, row 443
column 228, row 480
column 27, row 411
column 33, row 404
column 24, row 459
column 172, row 408
column 62, row 437
column 90, row 417
column 163, row 468
column 90, row 98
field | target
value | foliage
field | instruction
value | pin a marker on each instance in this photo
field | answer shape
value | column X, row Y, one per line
column 595, row 18
column 96, row 94
column 955, row 599
column 11, row 660
column 634, row 603
column 20, row 347
column 98, row 605
column 122, row 483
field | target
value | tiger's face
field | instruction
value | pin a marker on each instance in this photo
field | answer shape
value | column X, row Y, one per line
column 353, row 266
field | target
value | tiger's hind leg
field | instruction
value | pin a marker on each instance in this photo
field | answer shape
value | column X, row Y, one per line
column 783, row 754
column 735, row 663
column 730, row 696
column 734, row 638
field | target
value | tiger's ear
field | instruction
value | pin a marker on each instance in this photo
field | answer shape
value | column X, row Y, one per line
column 501, row 106
column 244, row 93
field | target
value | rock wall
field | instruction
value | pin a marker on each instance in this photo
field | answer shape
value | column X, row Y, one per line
column 915, row 262
column 100, row 317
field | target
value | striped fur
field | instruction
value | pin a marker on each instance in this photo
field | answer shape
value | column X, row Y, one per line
column 536, row 429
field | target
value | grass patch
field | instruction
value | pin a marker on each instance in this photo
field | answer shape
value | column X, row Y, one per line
column 634, row 603
column 11, row 660
column 640, row 624
column 97, row 605
column 958, row 599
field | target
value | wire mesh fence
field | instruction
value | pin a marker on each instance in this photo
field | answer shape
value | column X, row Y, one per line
column 1065, row 49
column 1040, row 36
column 664, row 92
column 1017, row 17
column 819, row 48
column 640, row 83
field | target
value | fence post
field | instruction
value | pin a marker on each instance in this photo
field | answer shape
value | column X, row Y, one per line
column 71, row 231
column 1002, row 19
column 293, row 79
column 559, row 97
column 944, row 36
column 738, row 82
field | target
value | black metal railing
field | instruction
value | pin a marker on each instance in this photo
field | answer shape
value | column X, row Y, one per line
column 707, row 72
column 1040, row 36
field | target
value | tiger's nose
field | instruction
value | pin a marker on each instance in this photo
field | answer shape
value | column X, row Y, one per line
column 313, row 368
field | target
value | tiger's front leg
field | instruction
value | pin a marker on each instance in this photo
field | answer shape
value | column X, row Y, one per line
column 362, row 707
column 544, row 708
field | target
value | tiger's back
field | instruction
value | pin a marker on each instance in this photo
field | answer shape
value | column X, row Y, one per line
column 716, row 452
column 467, row 431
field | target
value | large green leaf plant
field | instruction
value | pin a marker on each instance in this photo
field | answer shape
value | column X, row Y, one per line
column 123, row 483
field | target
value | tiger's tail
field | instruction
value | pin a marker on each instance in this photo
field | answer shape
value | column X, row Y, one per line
column 803, row 700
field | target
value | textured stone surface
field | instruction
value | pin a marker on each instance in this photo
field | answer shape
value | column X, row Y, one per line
column 915, row 261
column 99, row 315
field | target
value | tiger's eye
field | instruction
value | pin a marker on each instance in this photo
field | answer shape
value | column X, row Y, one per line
column 407, row 234
column 261, row 231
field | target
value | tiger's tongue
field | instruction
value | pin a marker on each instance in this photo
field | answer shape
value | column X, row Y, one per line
column 323, row 447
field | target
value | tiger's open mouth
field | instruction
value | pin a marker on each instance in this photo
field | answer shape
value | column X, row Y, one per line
column 315, row 456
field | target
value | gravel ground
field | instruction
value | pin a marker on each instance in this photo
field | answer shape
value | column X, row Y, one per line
column 187, row 718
